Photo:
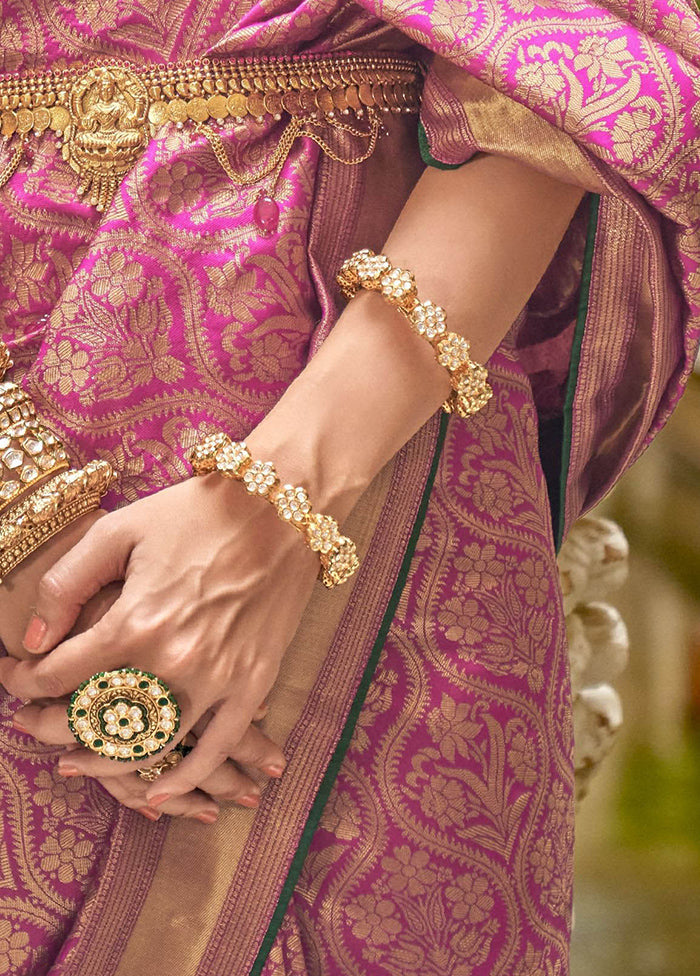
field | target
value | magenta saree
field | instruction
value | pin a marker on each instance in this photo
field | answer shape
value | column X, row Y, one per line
column 425, row 822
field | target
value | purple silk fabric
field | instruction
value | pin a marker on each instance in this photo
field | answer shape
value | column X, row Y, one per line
column 446, row 845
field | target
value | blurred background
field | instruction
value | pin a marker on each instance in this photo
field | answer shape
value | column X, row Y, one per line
column 637, row 893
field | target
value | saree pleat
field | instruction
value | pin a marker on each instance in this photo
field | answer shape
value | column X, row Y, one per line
column 425, row 821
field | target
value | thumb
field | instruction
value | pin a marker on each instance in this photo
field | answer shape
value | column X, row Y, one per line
column 99, row 558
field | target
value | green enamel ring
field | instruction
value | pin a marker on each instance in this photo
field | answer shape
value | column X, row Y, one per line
column 125, row 715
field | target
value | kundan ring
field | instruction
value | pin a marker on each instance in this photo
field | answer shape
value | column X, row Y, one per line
column 125, row 714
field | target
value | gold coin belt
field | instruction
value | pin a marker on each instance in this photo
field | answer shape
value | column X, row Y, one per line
column 104, row 112
column 374, row 272
column 232, row 459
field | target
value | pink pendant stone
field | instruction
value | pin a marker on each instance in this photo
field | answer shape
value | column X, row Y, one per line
column 267, row 215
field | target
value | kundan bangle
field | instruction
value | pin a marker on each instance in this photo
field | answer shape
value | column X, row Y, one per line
column 337, row 553
column 52, row 507
column 29, row 452
column 374, row 272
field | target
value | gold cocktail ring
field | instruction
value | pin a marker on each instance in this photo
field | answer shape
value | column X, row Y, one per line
column 125, row 715
column 175, row 756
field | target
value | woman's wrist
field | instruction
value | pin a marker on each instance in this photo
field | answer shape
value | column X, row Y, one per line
column 370, row 387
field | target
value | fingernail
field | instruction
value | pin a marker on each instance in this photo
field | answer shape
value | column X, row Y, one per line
column 151, row 814
column 208, row 817
column 275, row 771
column 65, row 769
column 249, row 801
column 155, row 801
column 17, row 724
column 36, row 631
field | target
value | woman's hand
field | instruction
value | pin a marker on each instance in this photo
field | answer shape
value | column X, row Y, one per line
column 215, row 583
column 48, row 723
column 214, row 588
column 18, row 590
column 47, row 720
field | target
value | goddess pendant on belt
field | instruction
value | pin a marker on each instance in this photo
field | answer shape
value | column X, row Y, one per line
column 107, row 130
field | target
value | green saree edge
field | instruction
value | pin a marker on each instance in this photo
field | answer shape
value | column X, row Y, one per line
column 427, row 156
column 349, row 728
column 572, row 381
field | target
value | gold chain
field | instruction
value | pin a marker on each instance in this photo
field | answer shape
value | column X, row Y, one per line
column 276, row 160
column 372, row 136
column 296, row 127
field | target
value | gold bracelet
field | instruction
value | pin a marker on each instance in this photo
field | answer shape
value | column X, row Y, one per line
column 232, row 459
column 374, row 272
column 29, row 451
column 50, row 509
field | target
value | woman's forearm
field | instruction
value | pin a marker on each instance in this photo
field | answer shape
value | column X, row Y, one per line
column 478, row 240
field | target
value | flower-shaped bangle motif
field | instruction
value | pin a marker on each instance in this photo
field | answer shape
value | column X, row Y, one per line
column 453, row 352
column 341, row 563
column 232, row 458
column 293, row 505
column 471, row 392
column 363, row 270
column 203, row 455
column 260, row 478
column 322, row 533
column 398, row 285
column 428, row 320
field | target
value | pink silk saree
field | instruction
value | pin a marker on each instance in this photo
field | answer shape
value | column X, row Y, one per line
column 425, row 822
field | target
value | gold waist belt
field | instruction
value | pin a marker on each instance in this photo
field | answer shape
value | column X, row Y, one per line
column 104, row 113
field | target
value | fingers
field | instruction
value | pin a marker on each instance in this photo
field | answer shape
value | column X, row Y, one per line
column 131, row 792
column 228, row 726
column 82, row 761
column 261, row 712
column 230, row 783
column 99, row 558
column 47, row 723
column 59, row 673
column 256, row 750
column 227, row 783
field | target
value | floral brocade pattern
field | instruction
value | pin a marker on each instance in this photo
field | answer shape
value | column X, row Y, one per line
column 53, row 833
column 446, row 845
